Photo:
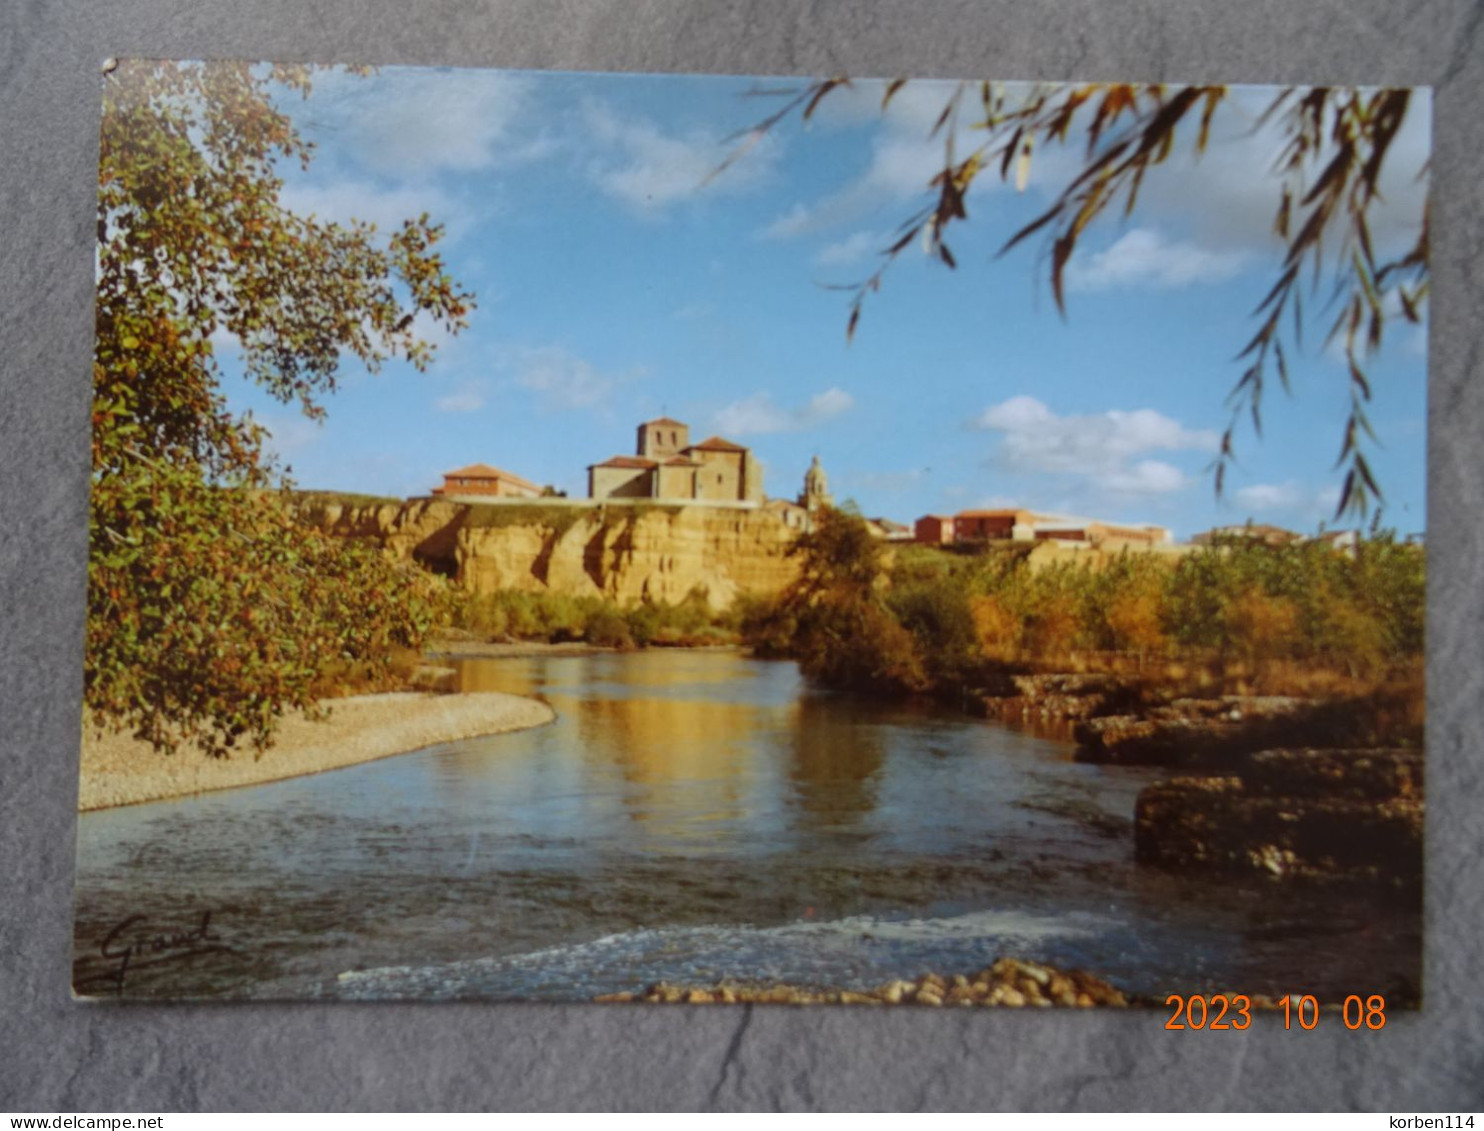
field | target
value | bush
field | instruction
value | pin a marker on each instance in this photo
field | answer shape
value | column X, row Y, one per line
column 858, row 646
column 608, row 628
column 997, row 628
column 939, row 616
column 559, row 618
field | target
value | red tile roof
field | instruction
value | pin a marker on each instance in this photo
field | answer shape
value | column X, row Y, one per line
column 627, row 461
column 485, row 471
column 681, row 461
column 715, row 444
column 666, row 421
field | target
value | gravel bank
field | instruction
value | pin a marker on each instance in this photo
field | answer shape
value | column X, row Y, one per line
column 1010, row 982
column 119, row 770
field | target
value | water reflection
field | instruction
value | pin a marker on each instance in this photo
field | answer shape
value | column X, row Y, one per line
column 690, row 812
column 831, row 778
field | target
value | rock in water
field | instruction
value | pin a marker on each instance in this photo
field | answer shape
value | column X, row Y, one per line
column 1224, row 824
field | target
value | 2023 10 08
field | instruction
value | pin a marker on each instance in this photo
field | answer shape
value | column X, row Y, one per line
column 1199, row 1011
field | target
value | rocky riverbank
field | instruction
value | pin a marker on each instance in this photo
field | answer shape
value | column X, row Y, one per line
column 1350, row 814
column 1009, row 982
column 1277, row 785
column 118, row 769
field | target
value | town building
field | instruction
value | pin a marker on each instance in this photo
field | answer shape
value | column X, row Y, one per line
column 888, row 530
column 799, row 513
column 668, row 466
column 483, row 481
column 1263, row 532
column 934, row 529
column 1347, row 541
column 1019, row 525
column 816, row 494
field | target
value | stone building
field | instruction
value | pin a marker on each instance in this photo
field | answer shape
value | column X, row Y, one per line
column 668, row 466
column 483, row 481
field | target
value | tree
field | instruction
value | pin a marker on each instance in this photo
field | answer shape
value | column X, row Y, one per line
column 834, row 618
column 210, row 610
column 1337, row 141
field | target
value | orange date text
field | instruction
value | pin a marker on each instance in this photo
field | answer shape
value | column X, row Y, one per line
column 1234, row 1011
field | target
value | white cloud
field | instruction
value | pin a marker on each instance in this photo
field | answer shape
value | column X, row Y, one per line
column 1103, row 449
column 852, row 249
column 1402, row 338
column 468, row 399
column 1228, row 197
column 1221, row 205
column 648, row 169
column 904, row 159
column 795, row 222
column 1146, row 477
column 289, row 434
column 560, row 380
column 1303, row 505
column 1270, row 496
column 342, row 201
column 900, row 169
column 905, row 155
column 413, row 123
column 1145, row 258
column 758, row 414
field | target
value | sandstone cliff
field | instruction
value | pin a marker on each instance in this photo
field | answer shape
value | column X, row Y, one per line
column 628, row 553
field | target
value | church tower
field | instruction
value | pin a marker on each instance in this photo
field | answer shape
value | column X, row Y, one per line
column 816, row 494
column 662, row 438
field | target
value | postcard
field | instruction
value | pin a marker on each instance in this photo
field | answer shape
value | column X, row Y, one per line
column 696, row 539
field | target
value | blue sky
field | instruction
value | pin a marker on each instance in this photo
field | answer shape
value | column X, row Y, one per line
column 613, row 286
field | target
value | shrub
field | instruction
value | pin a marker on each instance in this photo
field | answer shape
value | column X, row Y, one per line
column 997, row 629
column 938, row 614
column 608, row 628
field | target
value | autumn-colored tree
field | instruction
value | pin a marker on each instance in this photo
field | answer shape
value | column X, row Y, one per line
column 1336, row 145
column 997, row 629
column 209, row 610
column 834, row 620
column 1261, row 627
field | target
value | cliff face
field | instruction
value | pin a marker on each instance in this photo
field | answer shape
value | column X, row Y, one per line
column 625, row 553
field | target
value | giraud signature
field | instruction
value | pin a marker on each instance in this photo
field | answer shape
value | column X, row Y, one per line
column 135, row 943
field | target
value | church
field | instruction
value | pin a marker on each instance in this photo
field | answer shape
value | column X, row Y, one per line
column 668, row 466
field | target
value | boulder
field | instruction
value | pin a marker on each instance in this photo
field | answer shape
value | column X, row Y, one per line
column 1309, row 772
column 1221, row 824
column 1205, row 734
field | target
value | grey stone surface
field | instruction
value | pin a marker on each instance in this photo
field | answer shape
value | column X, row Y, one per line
column 56, row 1055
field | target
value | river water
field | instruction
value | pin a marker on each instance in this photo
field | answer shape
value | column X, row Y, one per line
column 693, row 816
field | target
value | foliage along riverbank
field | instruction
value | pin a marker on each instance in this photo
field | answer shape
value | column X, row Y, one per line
column 1235, row 618
column 553, row 618
column 1285, row 684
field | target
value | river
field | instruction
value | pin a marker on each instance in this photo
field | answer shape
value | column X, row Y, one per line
column 693, row 816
